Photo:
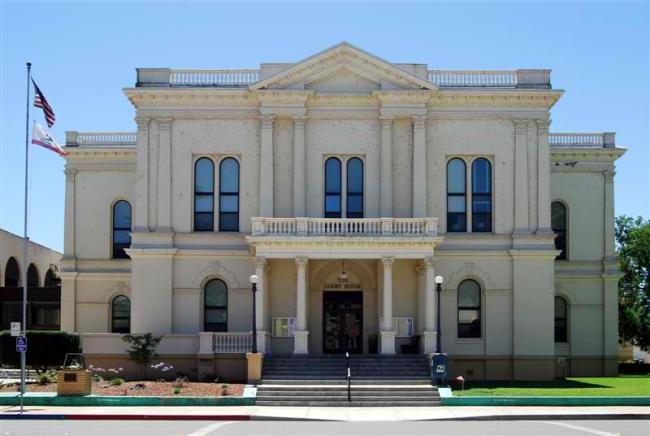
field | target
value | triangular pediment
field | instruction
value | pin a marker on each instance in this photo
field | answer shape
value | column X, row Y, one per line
column 346, row 64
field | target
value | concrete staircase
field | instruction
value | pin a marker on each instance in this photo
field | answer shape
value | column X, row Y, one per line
column 321, row 381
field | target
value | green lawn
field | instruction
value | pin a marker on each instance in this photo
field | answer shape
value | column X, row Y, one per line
column 578, row 386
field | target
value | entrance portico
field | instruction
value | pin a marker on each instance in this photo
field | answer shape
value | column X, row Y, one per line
column 361, row 314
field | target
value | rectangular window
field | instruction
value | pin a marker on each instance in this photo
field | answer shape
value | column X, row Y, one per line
column 284, row 327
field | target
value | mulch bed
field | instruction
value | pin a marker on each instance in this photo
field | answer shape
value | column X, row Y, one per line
column 146, row 388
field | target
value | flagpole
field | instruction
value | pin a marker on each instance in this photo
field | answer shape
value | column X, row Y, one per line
column 23, row 354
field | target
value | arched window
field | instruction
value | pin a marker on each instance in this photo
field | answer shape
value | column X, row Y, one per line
column 32, row 276
column 456, row 193
column 481, row 195
column 50, row 279
column 355, row 188
column 121, row 229
column 332, row 188
column 561, row 318
column 229, row 195
column 559, row 225
column 12, row 273
column 469, row 309
column 215, row 306
column 203, row 195
column 121, row 314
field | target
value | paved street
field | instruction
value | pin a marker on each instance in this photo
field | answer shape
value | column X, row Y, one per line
column 315, row 428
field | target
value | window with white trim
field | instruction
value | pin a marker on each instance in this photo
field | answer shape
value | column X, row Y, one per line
column 284, row 327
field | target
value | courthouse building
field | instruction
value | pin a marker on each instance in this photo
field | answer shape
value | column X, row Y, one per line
column 346, row 183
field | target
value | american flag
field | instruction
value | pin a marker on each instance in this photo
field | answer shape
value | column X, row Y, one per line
column 41, row 101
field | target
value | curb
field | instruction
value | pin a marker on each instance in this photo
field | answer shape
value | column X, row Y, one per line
column 121, row 417
column 558, row 417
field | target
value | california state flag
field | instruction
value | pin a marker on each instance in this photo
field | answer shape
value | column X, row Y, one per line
column 44, row 139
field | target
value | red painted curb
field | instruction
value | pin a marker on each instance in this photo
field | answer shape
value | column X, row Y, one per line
column 131, row 417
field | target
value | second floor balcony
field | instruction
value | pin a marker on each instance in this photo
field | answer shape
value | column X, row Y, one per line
column 353, row 227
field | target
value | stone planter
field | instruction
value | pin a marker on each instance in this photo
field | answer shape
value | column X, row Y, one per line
column 74, row 382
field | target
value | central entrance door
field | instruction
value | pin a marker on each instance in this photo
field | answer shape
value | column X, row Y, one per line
column 342, row 321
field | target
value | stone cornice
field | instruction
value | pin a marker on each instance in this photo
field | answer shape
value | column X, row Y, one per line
column 103, row 154
column 165, row 97
column 592, row 154
column 495, row 98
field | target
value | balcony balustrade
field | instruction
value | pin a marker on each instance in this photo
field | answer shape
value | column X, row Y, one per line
column 354, row 227
column 231, row 342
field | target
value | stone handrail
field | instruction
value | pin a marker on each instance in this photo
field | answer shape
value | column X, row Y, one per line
column 213, row 77
column 100, row 138
column 471, row 79
column 231, row 342
column 344, row 226
column 606, row 139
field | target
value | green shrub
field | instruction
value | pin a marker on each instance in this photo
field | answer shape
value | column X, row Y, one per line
column 142, row 349
column 44, row 379
column 177, row 390
column 96, row 378
column 46, row 349
column 117, row 381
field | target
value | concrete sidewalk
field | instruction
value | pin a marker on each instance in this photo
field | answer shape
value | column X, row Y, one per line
column 329, row 413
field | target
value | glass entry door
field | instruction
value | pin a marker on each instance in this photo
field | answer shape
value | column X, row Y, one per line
column 342, row 322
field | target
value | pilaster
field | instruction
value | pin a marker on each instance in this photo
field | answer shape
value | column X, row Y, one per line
column 429, row 345
column 266, row 167
column 260, row 302
column 419, row 167
column 521, row 177
column 141, row 206
column 68, row 301
column 608, row 219
column 301, row 334
column 70, row 214
column 299, row 179
column 387, row 330
column 386, row 175
column 543, row 178
column 164, row 175
column 533, row 179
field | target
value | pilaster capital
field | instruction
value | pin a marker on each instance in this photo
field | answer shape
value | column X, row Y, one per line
column 267, row 121
column 301, row 262
column 388, row 261
column 520, row 125
column 142, row 123
column 70, row 174
column 299, row 122
column 543, row 126
column 428, row 262
column 260, row 262
column 165, row 124
column 419, row 121
column 609, row 175
column 386, row 122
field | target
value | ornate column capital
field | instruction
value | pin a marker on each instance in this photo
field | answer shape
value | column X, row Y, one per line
column 419, row 121
column 520, row 125
column 299, row 122
column 69, row 174
column 142, row 123
column 543, row 126
column 301, row 262
column 609, row 175
column 165, row 123
column 386, row 121
column 260, row 262
column 267, row 121
column 388, row 261
column 428, row 262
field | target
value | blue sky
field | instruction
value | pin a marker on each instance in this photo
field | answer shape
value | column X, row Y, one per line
column 84, row 53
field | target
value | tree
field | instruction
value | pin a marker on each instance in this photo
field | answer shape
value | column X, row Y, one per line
column 142, row 349
column 633, row 243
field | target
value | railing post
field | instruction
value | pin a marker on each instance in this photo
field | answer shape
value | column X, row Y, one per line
column 258, row 226
column 302, row 226
column 387, row 226
column 431, row 226
column 206, row 345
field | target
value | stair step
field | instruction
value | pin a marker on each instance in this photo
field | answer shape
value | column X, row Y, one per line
column 350, row 404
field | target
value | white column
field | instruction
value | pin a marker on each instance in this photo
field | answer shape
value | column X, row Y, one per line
column 543, row 178
column 260, row 299
column 141, row 206
column 521, row 177
column 387, row 331
column 430, row 333
column 386, row 180
column 419, row 168
column 301, row 333
column 266, row 168
column 164, row 175
column 299, row 179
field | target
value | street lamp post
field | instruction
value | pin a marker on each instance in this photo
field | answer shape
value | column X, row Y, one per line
column 439, row 281
column 254, row 283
